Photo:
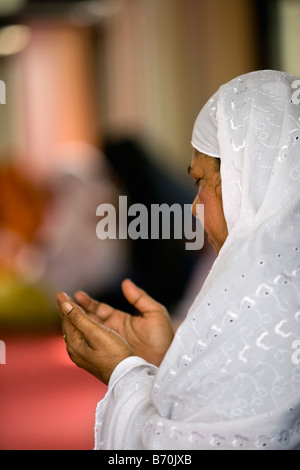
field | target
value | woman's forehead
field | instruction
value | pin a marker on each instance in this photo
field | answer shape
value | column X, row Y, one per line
column 201, row 161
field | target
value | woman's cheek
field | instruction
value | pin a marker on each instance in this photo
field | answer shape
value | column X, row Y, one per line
column 210, row 213
column 203, row 196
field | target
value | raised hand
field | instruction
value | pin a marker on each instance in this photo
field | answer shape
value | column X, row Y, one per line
column 149, row 333
column 92, row 346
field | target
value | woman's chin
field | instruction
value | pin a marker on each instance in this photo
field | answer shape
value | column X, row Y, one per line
column 211, row 241
column 214, row 244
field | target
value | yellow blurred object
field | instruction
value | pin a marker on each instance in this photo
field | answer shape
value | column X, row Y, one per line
column 23, row 305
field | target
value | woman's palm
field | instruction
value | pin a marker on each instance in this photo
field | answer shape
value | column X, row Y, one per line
column 149, row 333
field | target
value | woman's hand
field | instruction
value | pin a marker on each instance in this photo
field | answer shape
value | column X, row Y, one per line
column 149, row 333
column 92, row 346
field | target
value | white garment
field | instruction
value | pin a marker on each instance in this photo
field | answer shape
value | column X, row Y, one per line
column 205, row 132
column 231, row 378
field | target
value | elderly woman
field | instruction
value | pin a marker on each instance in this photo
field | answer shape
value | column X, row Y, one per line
column 230, row 378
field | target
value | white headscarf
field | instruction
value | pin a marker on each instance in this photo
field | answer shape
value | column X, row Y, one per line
column 231, row 378
column 205, row 132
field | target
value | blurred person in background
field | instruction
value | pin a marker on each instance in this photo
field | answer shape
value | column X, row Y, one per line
column 74, row 258
column 135, row 173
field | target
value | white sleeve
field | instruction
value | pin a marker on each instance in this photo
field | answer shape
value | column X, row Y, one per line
column 126, row 407
column 127, row 419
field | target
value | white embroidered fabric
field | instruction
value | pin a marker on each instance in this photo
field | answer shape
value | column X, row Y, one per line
column 231, row 378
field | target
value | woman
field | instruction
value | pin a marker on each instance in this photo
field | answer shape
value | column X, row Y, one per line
column 227, row 379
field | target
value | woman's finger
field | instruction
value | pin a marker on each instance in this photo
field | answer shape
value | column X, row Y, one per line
column 90, row 344
column 97, row 309
column 62, row 297
column 65, row 305
column 86, row 301
column 72, row 336
column 139, row 298
column 67, row 327
column 92, row 332
column 75, row 318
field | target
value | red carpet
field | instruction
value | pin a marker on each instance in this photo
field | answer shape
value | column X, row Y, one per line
column 46, row 402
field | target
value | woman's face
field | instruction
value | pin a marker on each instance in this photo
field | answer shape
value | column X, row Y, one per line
column 206, row 174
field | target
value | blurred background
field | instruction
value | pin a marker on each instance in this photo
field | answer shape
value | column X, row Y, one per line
column 100, row 101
